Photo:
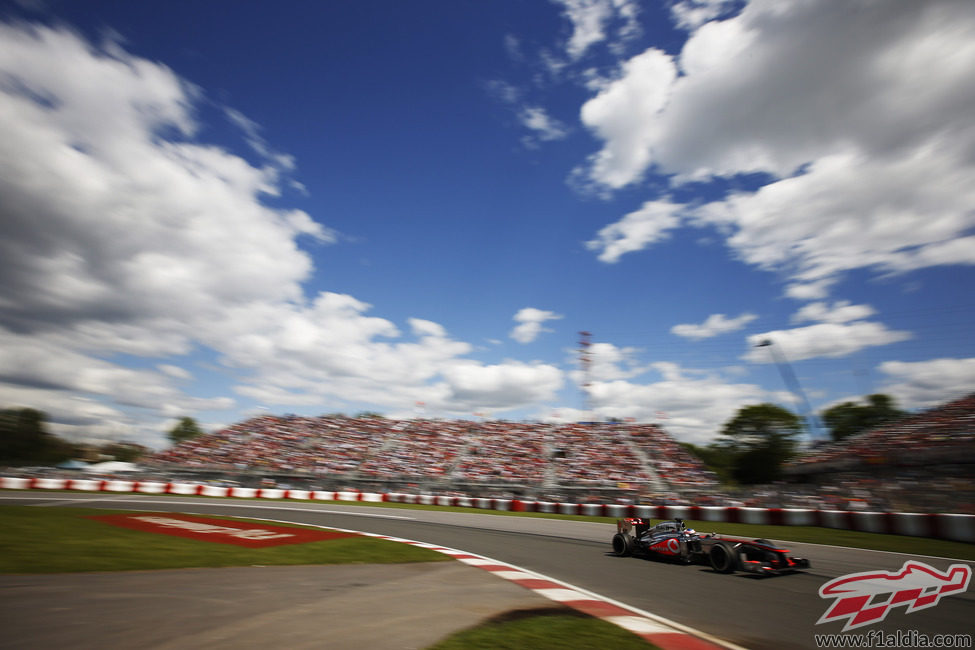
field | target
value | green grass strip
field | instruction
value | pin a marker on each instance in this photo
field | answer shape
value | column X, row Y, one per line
column 59, row 540
column 64, row 540
column 809, row 534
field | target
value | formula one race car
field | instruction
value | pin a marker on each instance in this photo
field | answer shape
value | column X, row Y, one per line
column 673, row 540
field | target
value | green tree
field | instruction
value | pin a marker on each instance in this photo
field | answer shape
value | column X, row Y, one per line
column 850, row 418
column 758, row 440
column 185, row 429
column 24, row 438
column 718, row 458
column 125, row 452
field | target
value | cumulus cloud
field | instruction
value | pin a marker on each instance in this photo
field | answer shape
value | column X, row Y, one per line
column 544, row 128
column 839, row 312
column 608, row 362
column 637, row 230
column 926, row 384
column 472, row 386
column 628, row 115
column 691, row 14
column 530, row 323
column 859, row 119
column 714, row 325
column 692, row 405
column 106, row 217
column 125, row 234
column 823, row 340
column 593, row 21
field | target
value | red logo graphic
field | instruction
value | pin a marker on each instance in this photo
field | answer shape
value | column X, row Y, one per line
column 670, row 546
column 866, row 598
column 239, row 533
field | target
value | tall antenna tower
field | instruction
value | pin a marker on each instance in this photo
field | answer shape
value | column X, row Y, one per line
column 585, row 362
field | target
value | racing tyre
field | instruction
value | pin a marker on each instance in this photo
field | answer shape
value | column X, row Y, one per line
column 623, row 544
column 723, row 558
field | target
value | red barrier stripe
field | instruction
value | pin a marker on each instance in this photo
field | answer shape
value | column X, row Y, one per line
column 733, row 515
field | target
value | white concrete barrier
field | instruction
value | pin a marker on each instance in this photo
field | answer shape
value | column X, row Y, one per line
column 83, row 484
column 49, row 483
column 182, row 488
column 796, row 517
column 753, row 515
column 151, row 487
column 592, row 509
column 118, row 486
column 958, row 527
column 214, row 491
column 833, row 518
column 870, row 522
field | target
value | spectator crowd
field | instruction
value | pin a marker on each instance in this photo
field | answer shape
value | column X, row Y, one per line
column 921, row 462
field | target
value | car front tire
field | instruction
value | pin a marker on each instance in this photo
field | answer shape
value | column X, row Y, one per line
column 723, row 558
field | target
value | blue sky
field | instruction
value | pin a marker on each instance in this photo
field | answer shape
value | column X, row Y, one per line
column 220, row 209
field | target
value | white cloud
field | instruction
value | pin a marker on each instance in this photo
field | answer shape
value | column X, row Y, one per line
column 692, row 406
column 593, row 20
column 714, row 325
column 608, row 362
column 626, row 114
column 861, row 119
column 104, row 216
column 472, row 386
column 839, row 312
column 926, row 384
column 691, row 14
column 530, row 323
column 175, row 372
column 543, row 127
column 637, row 230
column 124, row 234
column 823, row 340
column 849, row 212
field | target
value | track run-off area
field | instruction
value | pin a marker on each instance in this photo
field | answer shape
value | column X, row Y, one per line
column 743, row 610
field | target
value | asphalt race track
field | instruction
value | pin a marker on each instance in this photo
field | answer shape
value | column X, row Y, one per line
column 753, row 612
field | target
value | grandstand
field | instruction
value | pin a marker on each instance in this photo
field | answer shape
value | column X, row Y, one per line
column 622, row 461
column 942, row 435
column 922, row 462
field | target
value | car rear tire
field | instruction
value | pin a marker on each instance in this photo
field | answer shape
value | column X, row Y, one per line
column 723, row 558
column 623, row 544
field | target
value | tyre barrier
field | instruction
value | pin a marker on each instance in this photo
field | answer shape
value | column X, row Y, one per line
column 954, row 527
